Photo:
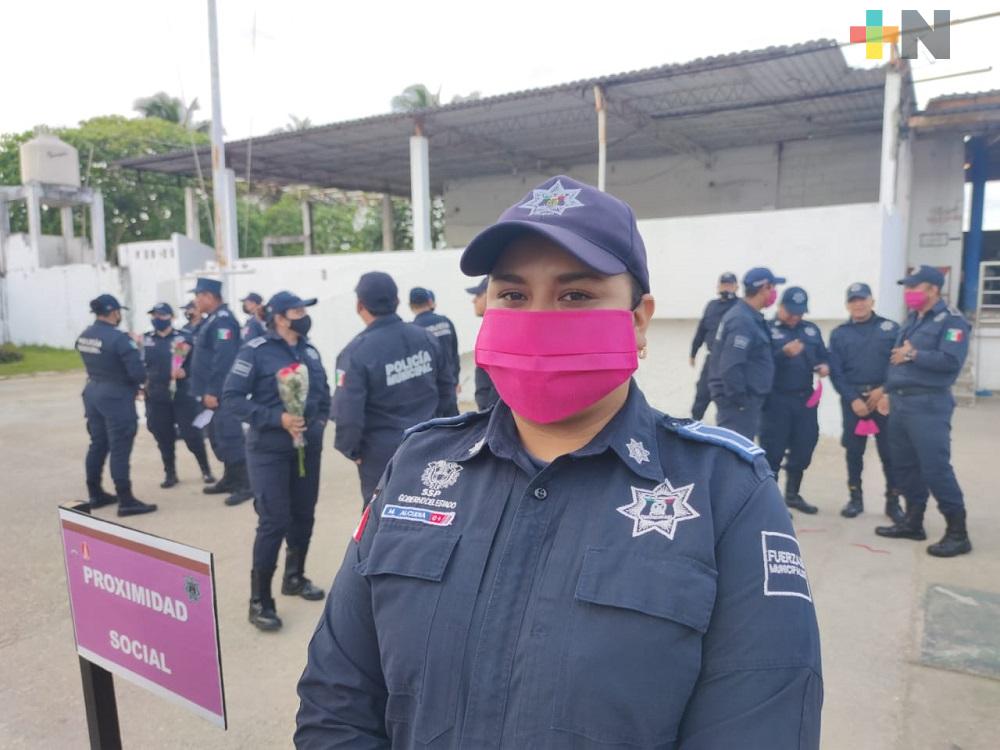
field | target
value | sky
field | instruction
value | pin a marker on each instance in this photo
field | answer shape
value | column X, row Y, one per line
column 67, row 61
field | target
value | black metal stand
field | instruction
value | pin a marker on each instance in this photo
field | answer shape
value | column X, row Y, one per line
column 101, row 706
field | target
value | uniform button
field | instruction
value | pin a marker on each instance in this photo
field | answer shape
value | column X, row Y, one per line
column 541, row 493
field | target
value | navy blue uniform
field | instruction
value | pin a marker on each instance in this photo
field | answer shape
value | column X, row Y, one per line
column 741, row 369
column 705, row 334
column 284, row 501
column 169, row 413
column 788, row 425
column 921, row 406
column 215, row 347
column 114, row 376
column 859, row 363
column 252, row 329
column 486, row 392
column 444, row 330
column 645, row 591
column 389, row 378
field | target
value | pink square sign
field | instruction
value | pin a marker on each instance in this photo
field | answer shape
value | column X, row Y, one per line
column 143, row 608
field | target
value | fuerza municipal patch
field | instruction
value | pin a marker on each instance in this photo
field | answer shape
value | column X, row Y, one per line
column 784, row 572
column 420, row 515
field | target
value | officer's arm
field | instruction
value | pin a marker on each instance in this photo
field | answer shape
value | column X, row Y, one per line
column 239, row 384
column 455, row 356
column 224, row 351
column 953, row 346
column 324, row 395
column 837, row 376
column 444, row 375
column 342, row 691
column 733, row 359
column 760, row 686
column 128, row 350
column 699, row 333
column 348, row 405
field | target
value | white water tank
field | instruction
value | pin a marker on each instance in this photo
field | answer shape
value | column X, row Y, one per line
column 47, row 159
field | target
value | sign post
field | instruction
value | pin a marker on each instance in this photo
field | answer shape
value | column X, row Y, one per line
column 144, row 609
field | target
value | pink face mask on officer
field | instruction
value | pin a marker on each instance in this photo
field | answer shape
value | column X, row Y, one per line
column 549, row 365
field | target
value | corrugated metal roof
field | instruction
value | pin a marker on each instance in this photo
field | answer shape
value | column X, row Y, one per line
column 762, row 96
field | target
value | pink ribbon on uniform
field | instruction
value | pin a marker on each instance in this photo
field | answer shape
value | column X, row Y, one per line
column 866, row 427
column 816, row 395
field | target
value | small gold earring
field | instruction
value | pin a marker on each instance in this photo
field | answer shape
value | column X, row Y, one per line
column 642, row 353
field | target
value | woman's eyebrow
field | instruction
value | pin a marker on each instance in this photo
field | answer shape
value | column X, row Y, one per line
column 569, row 278
column 509, row 278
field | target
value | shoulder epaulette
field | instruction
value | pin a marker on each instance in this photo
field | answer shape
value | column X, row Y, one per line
column 700, row 432
column 222, row 313
column 255, row 342
column 460, row 421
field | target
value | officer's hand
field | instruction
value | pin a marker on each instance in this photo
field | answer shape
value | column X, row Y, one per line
column 357, row 461
column 860, row 408
column 295, row 426
column 793, row 348
column 883, row 406
column 210, row 402
column 874, row 396
column 899, row 353
column 822, row 370
column 140, row 395
column 179, row 374
column 691, row 361
column 458, row 390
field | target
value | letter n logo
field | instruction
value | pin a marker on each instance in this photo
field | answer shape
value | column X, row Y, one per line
column 937, row 40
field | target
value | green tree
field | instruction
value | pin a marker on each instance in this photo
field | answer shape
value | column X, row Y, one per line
column 171, row 109
column 414, row 97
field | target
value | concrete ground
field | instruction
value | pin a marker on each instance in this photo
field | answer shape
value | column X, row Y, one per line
column 870, row 594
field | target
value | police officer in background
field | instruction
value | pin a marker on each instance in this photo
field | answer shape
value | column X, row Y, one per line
column 742, row 366
column 705, row 333
column 114, row 376
column 930, row 350
column 859, row 362
column 215, row 347
column 390, row 377
column 171, row 410
column 253, row 308
column 285, row 490
column 579, row 570
column 790, row 425
column 426, row 316
column 486, row 394
column 192, row 316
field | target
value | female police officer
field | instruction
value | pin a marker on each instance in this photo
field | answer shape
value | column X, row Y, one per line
column 571, row 569
column 284, row 499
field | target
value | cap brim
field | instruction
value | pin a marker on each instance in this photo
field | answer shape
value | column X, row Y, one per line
column 908, row 280
column 309, row 302
column 795, row 309
column 779, row 280
column 482, row 253
column 858, row 295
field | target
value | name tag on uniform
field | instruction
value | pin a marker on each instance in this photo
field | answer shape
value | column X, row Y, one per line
column 420, row 515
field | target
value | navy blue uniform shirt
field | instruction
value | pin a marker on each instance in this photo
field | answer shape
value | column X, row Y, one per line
column 742, row 364
column 796, row 373
column 252, row 329
column 941, row 338
column 859, row 354
column 110, row 356
column 390, row 377
column 215, row 345
column 157, row 355
column 444, row 330
column 645, row 591
column 254, row 374
column 710, row 319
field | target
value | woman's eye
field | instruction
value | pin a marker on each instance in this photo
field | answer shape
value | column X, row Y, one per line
column 576, row 296
column 512, row 296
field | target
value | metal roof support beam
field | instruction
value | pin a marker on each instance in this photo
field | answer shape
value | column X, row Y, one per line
column 643, row 121
column 602, row 138
column 420, row 189
column 388, row 224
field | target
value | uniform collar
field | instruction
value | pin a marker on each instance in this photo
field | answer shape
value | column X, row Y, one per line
column 751, row 309
column 631, row 435
column 873, row 318
column 383, row 320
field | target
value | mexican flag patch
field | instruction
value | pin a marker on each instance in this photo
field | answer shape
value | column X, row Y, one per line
column 224, row 334
column 340, row 378
column 954, row 334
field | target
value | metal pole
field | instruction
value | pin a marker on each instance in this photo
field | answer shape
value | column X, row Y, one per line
column 974, row 242
column 602, row 138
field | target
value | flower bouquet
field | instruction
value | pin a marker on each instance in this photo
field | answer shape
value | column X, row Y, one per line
column 293, row 388
column 179, row 350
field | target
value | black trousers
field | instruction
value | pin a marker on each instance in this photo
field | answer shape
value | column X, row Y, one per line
column 702, row 397
column 165, row 419
column 854, row 446
column 789, row 427
column 111, row 424
column 742, row 417
column 225, row 434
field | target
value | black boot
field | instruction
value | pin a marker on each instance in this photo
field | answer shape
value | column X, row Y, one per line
column 97, row 497
column 856, row 505
column 262, row 611
column 295, row 582
column 241, row 485
column 892, row 507
column 224, row 485
column 206, row 471
column 911, row 527
column 955, row 540
column 793, row 480
column 128, row 505
column 169, row 478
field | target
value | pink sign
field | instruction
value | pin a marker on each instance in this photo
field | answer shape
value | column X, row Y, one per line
column 144, row 608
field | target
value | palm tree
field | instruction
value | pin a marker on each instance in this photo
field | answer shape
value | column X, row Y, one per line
column 294, row 124
column 171, row 109
column 414, row 97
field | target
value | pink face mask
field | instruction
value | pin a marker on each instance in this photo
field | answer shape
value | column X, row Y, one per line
column 548, row 366
column 772, row 297
column 914, row 299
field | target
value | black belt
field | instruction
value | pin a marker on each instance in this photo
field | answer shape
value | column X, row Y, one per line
column 865, row 387
column 106, row 381
column 917, row 390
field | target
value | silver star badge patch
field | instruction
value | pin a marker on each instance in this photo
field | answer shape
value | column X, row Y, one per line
column 552, row 201
column 659, row 509
column 637, row 451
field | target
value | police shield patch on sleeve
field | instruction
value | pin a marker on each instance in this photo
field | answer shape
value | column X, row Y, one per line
column 741, row 342
column 784, row 573
column 242, row 368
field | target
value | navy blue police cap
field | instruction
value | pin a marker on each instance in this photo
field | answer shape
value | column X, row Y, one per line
column 925, row 273
column 728, row 278
column 420, row 296
column 161, row 308
column 795, row 300
column 757, row 277
column 378, row 293
column 596, row 228
column 858, row 290
column 282, row 302
column 253, row 297
column 102, row 304
column 479, row 288
column 212, row 286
